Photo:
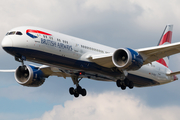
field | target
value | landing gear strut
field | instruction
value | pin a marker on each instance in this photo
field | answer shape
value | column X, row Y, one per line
column 20, row 59
column 23, row 68
column 124, row 83
column 78, row 90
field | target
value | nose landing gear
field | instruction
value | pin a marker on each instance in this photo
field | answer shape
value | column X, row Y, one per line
column 20, row 59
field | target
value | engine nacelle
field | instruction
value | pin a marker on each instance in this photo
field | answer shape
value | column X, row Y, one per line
column 30, row 76
column 127, row 59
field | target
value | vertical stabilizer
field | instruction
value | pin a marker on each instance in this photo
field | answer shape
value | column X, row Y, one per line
column 166, row 39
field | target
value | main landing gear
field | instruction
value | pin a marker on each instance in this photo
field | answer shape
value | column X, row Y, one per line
column 125, row 83
column 78, row 90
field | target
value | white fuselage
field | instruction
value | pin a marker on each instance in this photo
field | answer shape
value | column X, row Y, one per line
column 63, row 47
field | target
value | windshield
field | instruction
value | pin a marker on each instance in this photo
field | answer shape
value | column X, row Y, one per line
column 14, row 33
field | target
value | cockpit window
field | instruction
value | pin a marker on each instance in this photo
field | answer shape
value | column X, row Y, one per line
column 14, row 33
column 18, row 33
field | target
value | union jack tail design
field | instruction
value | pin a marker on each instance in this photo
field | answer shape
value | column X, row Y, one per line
column 166, row 39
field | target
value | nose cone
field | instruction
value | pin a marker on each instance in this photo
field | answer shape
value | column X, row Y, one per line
column 7, row 42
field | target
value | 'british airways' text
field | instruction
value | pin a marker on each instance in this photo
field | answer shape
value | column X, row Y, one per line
column 56, row 44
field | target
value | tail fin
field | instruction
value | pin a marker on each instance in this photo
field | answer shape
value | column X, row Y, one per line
column 166, row 39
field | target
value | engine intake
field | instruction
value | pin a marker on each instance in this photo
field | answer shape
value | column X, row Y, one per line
column 127, row 59
column 30, row 76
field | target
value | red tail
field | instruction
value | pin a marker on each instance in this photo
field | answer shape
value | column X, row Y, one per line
column 166, row 39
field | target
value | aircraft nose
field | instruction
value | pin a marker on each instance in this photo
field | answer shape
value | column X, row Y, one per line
column 7, row 42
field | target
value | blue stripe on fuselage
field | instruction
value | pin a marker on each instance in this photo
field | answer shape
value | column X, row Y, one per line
column 31, row 35
column 88, row 67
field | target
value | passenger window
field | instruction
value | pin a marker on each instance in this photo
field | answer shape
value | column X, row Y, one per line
column 18, row 33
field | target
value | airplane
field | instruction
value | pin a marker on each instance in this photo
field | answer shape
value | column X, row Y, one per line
column 66, row 56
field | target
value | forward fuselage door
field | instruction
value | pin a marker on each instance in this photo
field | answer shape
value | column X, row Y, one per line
column 76, row 48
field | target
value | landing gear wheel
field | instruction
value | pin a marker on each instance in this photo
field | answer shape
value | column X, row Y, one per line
column 126, row 82
column 123, row 87
column 71, row 90
column 76, row 95
column 118, row 83
column 79, row 89
column 131, row 85
column 83, row 93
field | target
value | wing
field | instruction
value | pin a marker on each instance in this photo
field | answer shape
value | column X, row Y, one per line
column 149, row 54
column 47, row 70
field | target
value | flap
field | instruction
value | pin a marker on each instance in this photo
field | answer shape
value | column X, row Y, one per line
column 52, row 71
column 104, row 60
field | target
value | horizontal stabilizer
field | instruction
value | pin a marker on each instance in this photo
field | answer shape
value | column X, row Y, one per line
column 173, row 73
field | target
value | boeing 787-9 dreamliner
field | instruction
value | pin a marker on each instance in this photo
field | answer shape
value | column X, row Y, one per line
column 66, row 56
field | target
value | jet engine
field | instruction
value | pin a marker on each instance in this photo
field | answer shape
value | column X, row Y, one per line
column 127, row 59
column 30, row 76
